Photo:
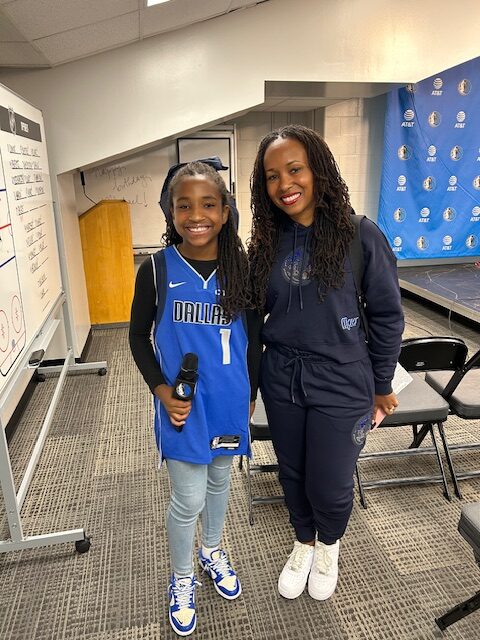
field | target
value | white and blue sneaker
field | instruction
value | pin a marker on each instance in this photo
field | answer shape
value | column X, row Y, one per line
column 219, row 569
column 181, row 606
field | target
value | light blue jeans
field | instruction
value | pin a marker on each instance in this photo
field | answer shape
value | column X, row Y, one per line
column 195, row 489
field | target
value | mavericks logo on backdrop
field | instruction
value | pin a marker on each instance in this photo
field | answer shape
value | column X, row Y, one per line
column 456, row 152
column 434, row 118
column 471, row 241
column 449, row 214
column 464, row 87
column 404, row 152
column 422, row 243
column 429, row 183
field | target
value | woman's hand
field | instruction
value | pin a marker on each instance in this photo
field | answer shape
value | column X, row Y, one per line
column 178, row 410
column 252, row 409
column 385, row 404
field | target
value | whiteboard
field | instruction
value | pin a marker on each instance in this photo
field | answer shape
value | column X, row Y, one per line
column 30, row 281
column 139, row 181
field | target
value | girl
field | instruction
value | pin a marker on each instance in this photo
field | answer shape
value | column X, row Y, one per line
column 320, row 380
column 193, row 292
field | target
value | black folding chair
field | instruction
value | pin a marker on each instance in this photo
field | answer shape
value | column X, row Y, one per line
column 259, row 431
column 419, row 408
column 469, row 527
column 462, row 392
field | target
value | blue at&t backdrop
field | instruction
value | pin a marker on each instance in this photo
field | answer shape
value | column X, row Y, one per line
column 430, row 192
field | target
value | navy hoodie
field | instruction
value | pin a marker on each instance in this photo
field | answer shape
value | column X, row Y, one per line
column 332, row 329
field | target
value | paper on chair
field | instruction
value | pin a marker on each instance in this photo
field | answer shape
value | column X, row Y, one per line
column 401, row 378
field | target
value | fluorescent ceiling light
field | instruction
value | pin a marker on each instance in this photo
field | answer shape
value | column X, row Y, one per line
column 150, row 3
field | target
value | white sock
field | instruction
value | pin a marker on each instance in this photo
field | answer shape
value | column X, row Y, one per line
column 207, row 551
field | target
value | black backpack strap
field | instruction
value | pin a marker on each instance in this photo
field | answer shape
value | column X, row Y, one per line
column 356, row 260
column 159, row 267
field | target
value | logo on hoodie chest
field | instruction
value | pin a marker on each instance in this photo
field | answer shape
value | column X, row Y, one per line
column 348, row 323
column 296, row 267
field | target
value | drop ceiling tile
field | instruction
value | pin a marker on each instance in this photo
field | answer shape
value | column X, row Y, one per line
column 20, row 54
column 94, row 38
column 41, row 18
column 166, row 17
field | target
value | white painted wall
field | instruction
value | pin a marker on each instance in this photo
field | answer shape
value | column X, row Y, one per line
column 131, row 97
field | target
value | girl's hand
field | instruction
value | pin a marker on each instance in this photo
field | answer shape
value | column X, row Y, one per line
column 252, row 408
column 178, row 410
column 385, row 404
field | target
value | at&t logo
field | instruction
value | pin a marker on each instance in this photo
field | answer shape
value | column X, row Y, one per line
column 460, row 123
column 447, row 243
column 401, row 182
column 425, row 214
column 408, row 117
column 452, row 183
column 475, row 214
column 432, row 153
column 437, row 87
column 397, row 244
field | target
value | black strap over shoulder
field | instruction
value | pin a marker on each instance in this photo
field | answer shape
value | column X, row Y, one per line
column 160, row 281
column 356, row 260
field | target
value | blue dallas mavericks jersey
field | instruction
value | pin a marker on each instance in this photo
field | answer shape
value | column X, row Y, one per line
column 189, row 320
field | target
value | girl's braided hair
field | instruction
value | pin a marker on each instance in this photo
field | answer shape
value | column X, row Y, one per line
column 332, row 228
column 232, row 270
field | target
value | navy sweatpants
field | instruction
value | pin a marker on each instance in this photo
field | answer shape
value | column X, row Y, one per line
column 319, row 414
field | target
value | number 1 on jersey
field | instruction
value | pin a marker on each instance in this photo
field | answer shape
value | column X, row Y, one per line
column 225, row 337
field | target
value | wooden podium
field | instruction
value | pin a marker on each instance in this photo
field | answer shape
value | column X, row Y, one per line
column 106, row 236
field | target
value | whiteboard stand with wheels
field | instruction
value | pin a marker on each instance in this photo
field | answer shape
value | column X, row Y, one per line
column 31, row 298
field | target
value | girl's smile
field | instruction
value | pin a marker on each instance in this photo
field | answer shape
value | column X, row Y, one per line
column 290, row 179
column 198, row 216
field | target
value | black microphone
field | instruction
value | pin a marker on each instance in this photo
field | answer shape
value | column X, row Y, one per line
column 186, row 380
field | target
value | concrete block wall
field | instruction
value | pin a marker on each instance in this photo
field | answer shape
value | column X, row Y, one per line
column 353, row 130
column 250, row 129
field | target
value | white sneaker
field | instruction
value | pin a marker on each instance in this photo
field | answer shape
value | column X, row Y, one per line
column 294, row 574
column 324, row 574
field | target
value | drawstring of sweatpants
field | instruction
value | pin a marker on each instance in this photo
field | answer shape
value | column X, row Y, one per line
column 295, row 362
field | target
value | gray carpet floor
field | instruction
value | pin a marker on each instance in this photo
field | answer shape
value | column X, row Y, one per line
column 402, row 560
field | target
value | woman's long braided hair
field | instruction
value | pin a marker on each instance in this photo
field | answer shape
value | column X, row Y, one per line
column 232, row 269
column 332, row 228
